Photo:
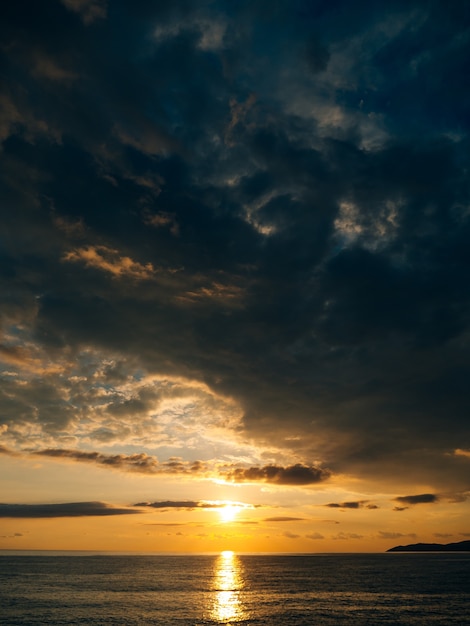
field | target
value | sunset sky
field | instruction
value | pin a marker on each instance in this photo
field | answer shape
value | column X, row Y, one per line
column 235, row 274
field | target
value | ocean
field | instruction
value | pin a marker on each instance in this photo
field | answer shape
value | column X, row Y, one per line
column 254, row 590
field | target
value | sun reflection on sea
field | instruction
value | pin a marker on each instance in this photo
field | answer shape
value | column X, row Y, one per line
column 228, row 582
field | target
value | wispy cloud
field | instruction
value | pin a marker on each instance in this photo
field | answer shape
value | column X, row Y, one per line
column 193, row 504
column 8, row 451
column 110, row 261
column 461, row 452
column 315, row 536
column 385, row 534
column 141, row 463
column 289, row 535
column 177, row 504
column 346, row 536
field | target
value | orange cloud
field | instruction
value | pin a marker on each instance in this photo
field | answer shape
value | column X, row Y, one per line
column 25, row 359
column 464, row 453
column 109, row 260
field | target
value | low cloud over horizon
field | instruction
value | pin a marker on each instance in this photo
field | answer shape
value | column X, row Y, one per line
column 352, row 505
column 65, row 509
column 423, row 498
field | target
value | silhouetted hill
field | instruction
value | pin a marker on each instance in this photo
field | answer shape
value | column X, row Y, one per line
column 461, row 546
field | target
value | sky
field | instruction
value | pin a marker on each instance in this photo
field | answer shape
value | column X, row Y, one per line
column 234, row 269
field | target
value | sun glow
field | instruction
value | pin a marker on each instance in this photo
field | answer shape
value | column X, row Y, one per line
column 227, row 554
column 229, row 512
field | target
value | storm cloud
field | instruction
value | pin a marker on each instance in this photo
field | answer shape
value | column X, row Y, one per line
column 266, row 214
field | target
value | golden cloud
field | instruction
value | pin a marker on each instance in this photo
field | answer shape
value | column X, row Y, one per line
column 110, row 261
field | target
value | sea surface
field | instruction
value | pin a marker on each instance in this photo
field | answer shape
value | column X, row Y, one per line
column 255, row 590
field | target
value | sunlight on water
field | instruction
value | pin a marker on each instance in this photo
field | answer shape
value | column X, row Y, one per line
column 427, row 589
column 228, row 582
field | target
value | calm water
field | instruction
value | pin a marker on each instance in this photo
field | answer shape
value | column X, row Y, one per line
column 255, row 590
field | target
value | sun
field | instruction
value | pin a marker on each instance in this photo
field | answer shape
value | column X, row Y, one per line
column 229, row 512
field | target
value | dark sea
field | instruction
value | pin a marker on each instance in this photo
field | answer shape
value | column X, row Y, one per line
column 255, row 590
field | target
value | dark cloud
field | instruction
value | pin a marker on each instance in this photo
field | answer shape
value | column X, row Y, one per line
column 350, row 505
column 316, row 55
column 423, row 498
column 89, row 10
column 182, row 504
column 141, row 463
column 291, row 475
column 215, row 191
column 67, row 509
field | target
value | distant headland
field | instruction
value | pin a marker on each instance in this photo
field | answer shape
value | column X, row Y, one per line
column 461, row 546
